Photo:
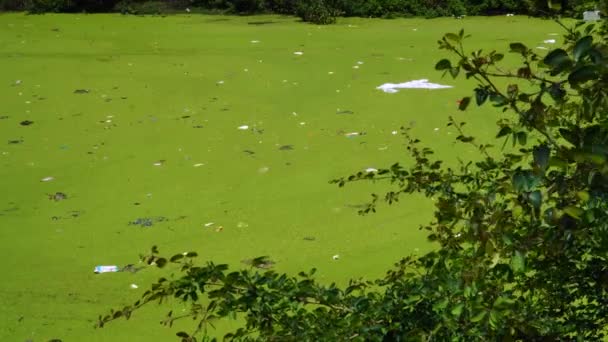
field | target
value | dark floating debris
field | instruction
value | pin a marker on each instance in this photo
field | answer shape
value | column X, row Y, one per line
column 147, row 221
column 286, row 148
column 58, row 196
column 81, row 91
column 14, row 142
column 345, row 112
column 131, row 268
column 261, row 262
column 26, row 122
column 310, row 238
column 3, row 117
column 249, row 152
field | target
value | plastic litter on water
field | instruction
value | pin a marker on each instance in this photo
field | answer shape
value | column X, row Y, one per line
column 243, row 128
column 392, row 88
column 371, row 170
column 198, row 165
column 336, row 257
column 549, row 41
column 209, row 224
column 134, row 286
column 298, row 53
column 106, row 269
column 47, row 179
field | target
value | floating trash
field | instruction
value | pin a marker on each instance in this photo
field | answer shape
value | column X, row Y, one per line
column 198, row 165
column 392, row 88
column 18, row 82
column 336, row 257
column 394, row 132
column 242, row 225
column 263, row 169
column 344, row 111
column 360, row 63
column 47, row 179
column 105, row 269
column 286, row 148
column 371, row 170
column 219, row 229
column 542, row 48
column 353, row 134
column 302, row 123
column 26, row 122
column 309, row 238
column 549, row 41
column 436, row 129
column 58, row 196
column 159, row 163
column 209, row 224
column 298, row 53
column 356, row 67
column 219, row 82
column 255, row 41
column 243, row 128
column 82, row 91
column 147, row 221
column 330, row 73
column 262, row 262
column 134, row 286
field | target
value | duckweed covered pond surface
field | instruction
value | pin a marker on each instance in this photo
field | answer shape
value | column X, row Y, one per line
column 210, row 134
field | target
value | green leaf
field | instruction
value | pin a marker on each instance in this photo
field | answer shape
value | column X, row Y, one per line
column 443, row 64
column 522, row 138
column 583, row 196
column 497, row 57
column 542, row 156
column 518, row 48
column 453, row 37
column 556, row 58
column 582, row 47
column 506, row 130
column 182, row 334
column 464, row 103
column 481, row 95
column 518, row 262
column 583, row 74
column 536, row 199
column 574, row 212
column 481, row 315
column 161, row 262
column 457, row 310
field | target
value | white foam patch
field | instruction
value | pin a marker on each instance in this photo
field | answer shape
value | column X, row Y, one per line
column 392, row 88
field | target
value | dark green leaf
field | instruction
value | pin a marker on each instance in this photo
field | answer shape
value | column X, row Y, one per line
column 556, row 58
column 464, row 103
column 453, row 37
column 542, row 155
column 505, row 130
column 582, row 47
column 481, row 95
column 518, row 262
column 583, row 74
column 443, row 64
column 518, row 47
column 536, row 199
column 454, row 71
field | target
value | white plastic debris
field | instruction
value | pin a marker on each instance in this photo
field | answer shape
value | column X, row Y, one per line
column 336, row 257
column 209, row 224
column 243, row 127
column 134, row 286
column 510, row 14
column 302, row 123
column 220, row 82
column 371, row 170
column 298, row 53
column 352, row 134
column 330, row 73
column 106, row 269
column 47, row 179
column 436, row 129
column 542, row 48
column 158, row 163
column 549, row 41
column 18, row 82
column 394, row 132
column 591, row 15
column 263, row 169
column 255, row 41
column 360, row 62
column 187, row 10
column 356, row 67
column 392, row 88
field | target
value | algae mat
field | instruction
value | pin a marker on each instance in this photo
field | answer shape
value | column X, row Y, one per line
column 214, row 134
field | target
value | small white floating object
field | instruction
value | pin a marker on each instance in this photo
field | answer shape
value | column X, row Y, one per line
column 134, row 286
column 330, row 73
column 356, row 67
column 352, row 134
column 336, row 257
column 392, row 88
column 394, row 132
column 554, row 34
column 47, row 179
column 255, row 41
column 209, row 224
column 302, row 123
column 106, row 269
column 108, row 121
column 510, row 14
column 549, row 41
column 243, row 128
column 541, row 48
column 371, row 170
column 18, row 82
column 263, row 169
column 436, row 129
column 220, row 82
column 158, row 164
column 414, row 29
column 294, row 113
column 360, row 63
column 246, row 70
column 298, row 53
column 198, row 165
column 187, row 10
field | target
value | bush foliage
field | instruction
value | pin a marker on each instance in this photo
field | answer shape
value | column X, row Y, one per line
column 317, row 11
column 521, row 233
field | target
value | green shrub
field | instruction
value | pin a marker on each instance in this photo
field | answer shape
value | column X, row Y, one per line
column 317, row 11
